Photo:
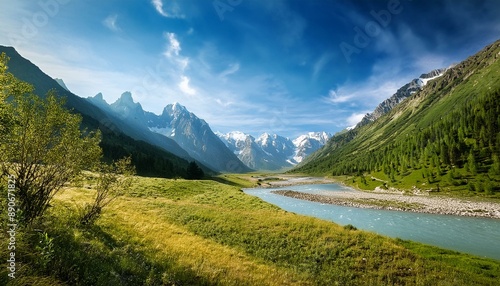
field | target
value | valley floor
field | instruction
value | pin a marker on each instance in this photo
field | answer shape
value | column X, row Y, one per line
column 178, row 232
column 402, row 202
column 392, row 199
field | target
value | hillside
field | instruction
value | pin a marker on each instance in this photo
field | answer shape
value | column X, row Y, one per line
column 152, row 154
column 446, row 135
column 178, row 232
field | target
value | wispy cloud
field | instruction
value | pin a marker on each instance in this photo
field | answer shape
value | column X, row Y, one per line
column 231, row 69
column 111, row 23
column 223, row 103
column 334, row 97
column 179, row 63
column 172, row 11
column 355, row 118
column 173, row 46
column 320, row 64
column 184, row 86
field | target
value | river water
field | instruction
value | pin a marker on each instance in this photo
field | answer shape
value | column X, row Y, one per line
column 478, row 236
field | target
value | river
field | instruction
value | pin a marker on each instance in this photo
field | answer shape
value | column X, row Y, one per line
column 478, row 236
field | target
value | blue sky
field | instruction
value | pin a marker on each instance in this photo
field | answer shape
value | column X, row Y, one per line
column 285, row 67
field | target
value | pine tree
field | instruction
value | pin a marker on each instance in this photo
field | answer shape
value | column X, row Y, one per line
column 194, row 172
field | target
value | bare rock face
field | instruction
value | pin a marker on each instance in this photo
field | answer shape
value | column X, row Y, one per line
column 272, row 151
column 403, row 93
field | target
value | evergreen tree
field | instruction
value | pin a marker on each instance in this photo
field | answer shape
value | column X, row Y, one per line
column 194, row 172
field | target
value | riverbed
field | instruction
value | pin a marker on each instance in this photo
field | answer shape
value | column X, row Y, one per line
column 474, row 235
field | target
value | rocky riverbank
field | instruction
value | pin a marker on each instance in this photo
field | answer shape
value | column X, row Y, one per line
column 402, row 202
column 290, row 180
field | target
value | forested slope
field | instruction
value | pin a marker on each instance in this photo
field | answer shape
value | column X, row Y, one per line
column 446, row 134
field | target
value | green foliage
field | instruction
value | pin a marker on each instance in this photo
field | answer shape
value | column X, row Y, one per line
column 148, row 160
column 194, row 172
column 45, row 249
column 178, row 232
column 350, row 227
column 112, row 181
column 44, row 147
column 452, row 124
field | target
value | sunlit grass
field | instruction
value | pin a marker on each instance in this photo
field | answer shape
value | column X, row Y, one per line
column 177, row 232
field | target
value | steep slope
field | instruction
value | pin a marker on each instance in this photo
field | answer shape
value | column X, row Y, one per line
column 249, row 152
column 279, row 148
column 307, row 144
column 114, row 130
column 176, row 124
column 447, row 134
column 272, row 152
column 401, row 94
column 195, row 136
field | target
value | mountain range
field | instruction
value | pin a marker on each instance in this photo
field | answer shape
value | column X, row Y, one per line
column 152, row 153
column 191, row 133
column 163, row 145
column 271, row 151
column 441, row 131
column 160, row 145
column 218, row 151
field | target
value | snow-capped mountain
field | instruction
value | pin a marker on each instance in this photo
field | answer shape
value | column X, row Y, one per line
column 307, row 144
column 401, row 94
column 277, row 147
column 271, row 151
column 190, row 132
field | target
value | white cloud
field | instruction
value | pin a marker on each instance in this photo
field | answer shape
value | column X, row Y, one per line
column 111, row 23
column 355, row 118
column 334, row 97
column 320, row 64
column 173, row 9
column 233, row 68
column 174, row 47
column 184, row 86
column 223, row 103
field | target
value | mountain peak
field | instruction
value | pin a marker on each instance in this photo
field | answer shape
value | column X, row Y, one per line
column 61, row 83
column 127, row 97
column 126, row 100
column 175, row 108
column 401, row 94
column 178, row 106
column 99, row 96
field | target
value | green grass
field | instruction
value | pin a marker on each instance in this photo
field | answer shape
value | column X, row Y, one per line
column 177, row 232
column 456, row 112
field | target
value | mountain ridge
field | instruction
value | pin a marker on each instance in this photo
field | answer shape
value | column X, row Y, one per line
column 445, row 135
column 191, row 133
column 118, row 139
column 401, row 94
column 271, row 151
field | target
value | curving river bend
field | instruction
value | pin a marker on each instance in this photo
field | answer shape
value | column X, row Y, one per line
column 478, row 236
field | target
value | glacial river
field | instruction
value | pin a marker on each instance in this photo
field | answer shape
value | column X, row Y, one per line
column 479, row 236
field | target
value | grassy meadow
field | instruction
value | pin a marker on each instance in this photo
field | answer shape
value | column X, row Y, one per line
column 208, row 232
